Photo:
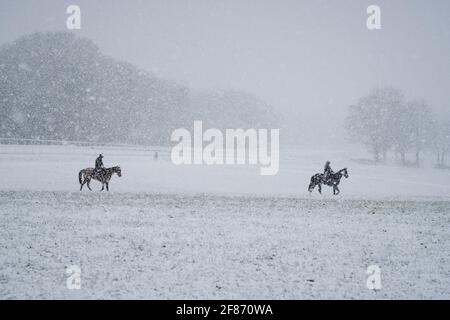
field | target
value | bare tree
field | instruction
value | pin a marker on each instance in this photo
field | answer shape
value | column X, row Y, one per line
column 421, row 123
column 372, row 121
column 441, row 142
column 401, row 132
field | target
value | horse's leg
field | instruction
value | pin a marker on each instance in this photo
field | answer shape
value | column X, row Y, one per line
column 336, row 186
column 88, row 184
column 103, row 186
column 107, row 186
column 320, row 188
column 82, row 184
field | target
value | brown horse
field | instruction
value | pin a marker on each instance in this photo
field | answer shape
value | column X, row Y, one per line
column 85, row 176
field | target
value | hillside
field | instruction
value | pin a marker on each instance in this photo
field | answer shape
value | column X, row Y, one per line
column 59, row 86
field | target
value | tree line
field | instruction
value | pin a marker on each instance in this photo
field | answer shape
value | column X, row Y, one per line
column 56, row 86
column 385, row 121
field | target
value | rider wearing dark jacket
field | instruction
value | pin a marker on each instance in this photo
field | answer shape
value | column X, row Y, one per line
column 99, row 164
column 327, row 171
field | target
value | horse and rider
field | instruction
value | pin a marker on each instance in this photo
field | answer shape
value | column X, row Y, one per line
column 328, row 177
column 99, row 173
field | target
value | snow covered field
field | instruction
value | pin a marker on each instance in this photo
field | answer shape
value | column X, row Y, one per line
column 166, row 231
column 55, row 168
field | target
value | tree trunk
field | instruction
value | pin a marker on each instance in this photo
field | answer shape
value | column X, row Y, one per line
column 384, row 155
column 403, row 158
column 376, row 154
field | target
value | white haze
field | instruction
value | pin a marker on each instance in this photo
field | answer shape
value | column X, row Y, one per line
column 309, row 59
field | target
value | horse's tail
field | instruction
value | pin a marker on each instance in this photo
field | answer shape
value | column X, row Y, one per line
column 80, row 174
column 311, row 184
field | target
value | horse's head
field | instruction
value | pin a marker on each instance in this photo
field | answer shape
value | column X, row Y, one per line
column 117, row 170
column 345, row 172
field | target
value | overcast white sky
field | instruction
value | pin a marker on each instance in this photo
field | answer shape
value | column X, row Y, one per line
column 306, row 58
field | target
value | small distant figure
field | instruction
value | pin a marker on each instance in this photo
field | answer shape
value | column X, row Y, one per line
column 327, row 171
column 99, row 167
column 155, row 156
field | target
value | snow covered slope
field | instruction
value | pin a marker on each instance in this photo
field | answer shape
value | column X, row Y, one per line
column 218, row 232
column 142, row 245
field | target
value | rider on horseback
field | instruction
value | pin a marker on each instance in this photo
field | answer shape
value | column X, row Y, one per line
column 327, row 172
column 99, row 167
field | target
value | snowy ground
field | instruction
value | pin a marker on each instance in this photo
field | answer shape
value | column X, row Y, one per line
column 219, row 232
